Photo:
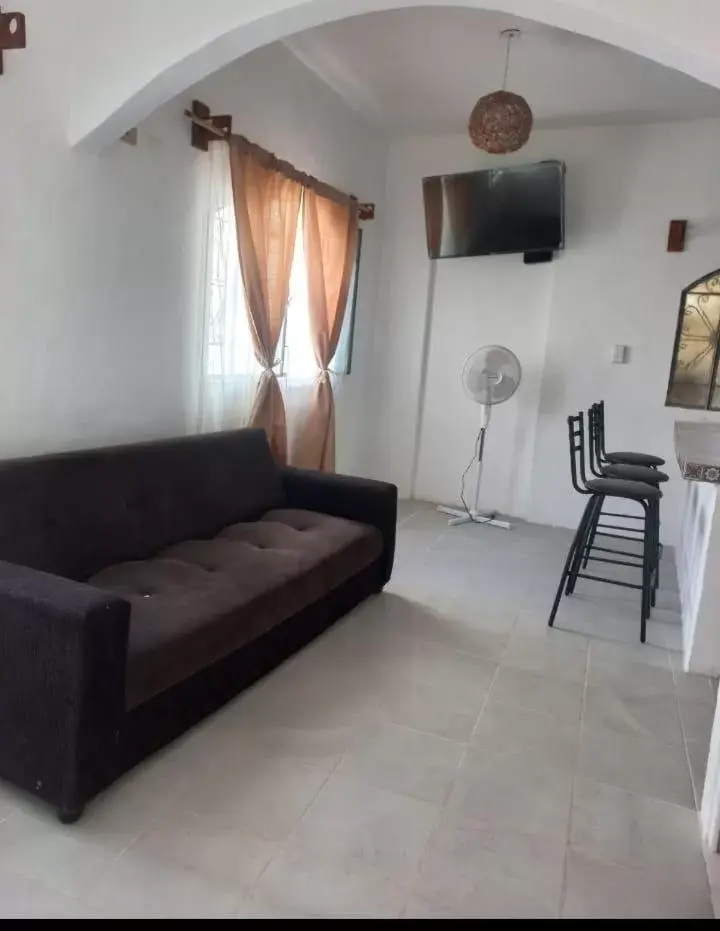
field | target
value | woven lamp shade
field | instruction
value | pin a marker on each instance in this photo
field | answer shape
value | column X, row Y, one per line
column 500, row 122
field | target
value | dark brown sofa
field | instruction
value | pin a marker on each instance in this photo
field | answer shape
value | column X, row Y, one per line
column 143, row 586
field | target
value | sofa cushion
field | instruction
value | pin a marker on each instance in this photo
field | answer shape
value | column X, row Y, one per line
column 200, row 600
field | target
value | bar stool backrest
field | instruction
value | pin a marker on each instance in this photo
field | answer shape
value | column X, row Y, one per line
column 600, row 427
column 576, row 436
column 595, row 455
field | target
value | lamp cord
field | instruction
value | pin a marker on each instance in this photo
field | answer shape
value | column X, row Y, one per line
column 510, row 37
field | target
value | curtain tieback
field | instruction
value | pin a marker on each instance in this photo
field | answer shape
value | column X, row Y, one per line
column 324, row 375
column 268, row 368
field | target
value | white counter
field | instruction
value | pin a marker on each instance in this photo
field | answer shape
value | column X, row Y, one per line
column 698, row 555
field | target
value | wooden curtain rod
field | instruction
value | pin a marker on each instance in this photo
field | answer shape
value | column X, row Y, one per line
column 208, row 126
column 205, row 127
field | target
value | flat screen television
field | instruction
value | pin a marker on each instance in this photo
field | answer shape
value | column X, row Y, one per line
column 501, row 210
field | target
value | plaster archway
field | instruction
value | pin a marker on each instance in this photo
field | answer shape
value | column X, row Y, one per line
column 139, row 56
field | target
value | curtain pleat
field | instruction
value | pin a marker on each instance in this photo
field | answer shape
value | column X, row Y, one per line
column 267, row 207
column 330, row 232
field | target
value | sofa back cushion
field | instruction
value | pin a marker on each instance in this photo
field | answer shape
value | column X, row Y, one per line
column 75, row 513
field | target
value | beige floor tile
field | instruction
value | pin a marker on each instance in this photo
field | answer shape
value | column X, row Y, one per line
column 263, row 797
column 595, row 889
column 435, row 621
column 557, row 654
column 462, row 675
column 298, row 884
column 496, row 618
column 428, row 708
column 138, row 885
column 611, row 824
column 630, row 677
column 697, row 751
column 425, row 518
column 21, row 897
column 212, row 851
column 118, row 816
column 319, row 743
column 354, row 825
column 691, row 687
column 538, row 693
column 530, row 735
column 495, row 789
column 407, row 761
column 609, row 653
column 470, row 871
column 406, row 508
column 636, row 764
column 697, row 719
column 56, row 855
column 652, row 716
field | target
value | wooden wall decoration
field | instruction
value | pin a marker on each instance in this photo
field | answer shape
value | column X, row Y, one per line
column 13, row 34
column 676, row 236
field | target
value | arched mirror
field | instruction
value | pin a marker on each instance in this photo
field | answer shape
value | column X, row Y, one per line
column 694, row 378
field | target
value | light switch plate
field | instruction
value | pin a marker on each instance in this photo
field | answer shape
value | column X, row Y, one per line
column 620, row 354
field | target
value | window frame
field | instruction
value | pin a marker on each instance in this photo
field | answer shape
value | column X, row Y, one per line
column 219, row 218
column 350, row 310
column 712, row 386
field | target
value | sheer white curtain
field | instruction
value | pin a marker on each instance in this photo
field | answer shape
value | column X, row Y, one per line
column 230, row 371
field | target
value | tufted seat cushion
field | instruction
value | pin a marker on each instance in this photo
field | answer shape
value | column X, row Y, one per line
column 200, row 600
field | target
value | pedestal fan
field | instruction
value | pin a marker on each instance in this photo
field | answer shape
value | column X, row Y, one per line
column 490, row 376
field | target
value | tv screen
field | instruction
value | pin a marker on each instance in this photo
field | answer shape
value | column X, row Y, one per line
column 514, row 209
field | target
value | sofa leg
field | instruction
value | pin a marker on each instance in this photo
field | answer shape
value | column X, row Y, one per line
column 70, row 815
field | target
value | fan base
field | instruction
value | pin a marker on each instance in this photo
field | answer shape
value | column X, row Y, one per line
column 459, row 517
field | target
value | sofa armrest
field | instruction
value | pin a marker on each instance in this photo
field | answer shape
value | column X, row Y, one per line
column 359, row 499
column 62, row 685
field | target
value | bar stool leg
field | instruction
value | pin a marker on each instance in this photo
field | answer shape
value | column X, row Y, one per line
column 582, row 550
column 649, row 558
column 575, row 547
column 593, row 532
column 658, row 546
column 655, row 513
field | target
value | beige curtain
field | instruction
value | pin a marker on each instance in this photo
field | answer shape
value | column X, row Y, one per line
column 330, row 230
column 267, row 206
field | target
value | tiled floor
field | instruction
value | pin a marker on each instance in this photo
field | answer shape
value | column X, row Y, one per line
column 438, row 753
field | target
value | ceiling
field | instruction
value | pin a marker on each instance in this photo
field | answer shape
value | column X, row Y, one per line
column 420, row 70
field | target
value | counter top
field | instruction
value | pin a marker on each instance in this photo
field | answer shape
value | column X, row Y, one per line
column 697, row 446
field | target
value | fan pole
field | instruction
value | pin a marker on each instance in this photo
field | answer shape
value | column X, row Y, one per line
column 484, row 424
column 459, row 516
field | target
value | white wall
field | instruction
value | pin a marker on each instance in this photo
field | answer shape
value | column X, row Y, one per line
column 93, row 266
column 99, row 255
column 278, row 103
column 615, row 283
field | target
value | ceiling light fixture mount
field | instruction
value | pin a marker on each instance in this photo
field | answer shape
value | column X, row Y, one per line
column 501, row 122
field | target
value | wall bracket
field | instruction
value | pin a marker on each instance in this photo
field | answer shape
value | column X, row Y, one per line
column 12, row 33
column 205, row 127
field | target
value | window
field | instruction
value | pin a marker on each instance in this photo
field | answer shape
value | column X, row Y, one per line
column 694, row 378
column 229, row 345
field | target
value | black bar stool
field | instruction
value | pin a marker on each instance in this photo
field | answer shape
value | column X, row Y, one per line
column 597, row 490
column 636, row 473
column 624, row 457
